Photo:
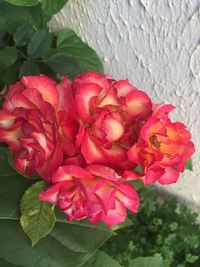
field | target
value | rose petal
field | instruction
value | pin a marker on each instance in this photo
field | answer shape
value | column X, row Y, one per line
column 83, row 100
column 123, row 88
column 65, row 173
column 113, row 129
column 45, row 85
column 104, row 172
column 90, row 151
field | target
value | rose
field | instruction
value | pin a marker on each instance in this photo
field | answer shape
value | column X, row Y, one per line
column 110, row 114
column 36, row 123
column 162, row 148
column 97, row 193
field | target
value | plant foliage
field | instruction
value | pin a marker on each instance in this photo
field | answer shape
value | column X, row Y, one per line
column 27, row 47
column 159, row 231
column 68, row 244
column 162, row 228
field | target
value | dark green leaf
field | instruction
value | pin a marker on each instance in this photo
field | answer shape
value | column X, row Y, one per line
column 63, row 64
column 4, row 263
column 12, row 188
column 29, row 67
column 8, row 56
column 5, row 169
column 9, row 76
column 39, row 44
column 69, row 43
column 11, row 191
column 38, row 217
column 155, row 261
column 23, row 34
column 12, row 17
column 2, row 35
column 50, row 7
column 188, row 164
column 59, row 248
column 101, row 259
column 22, row 2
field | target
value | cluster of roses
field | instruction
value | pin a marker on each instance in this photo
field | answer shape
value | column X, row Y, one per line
column 87, row 138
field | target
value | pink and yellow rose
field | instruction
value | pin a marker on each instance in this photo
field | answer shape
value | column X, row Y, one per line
column 110, row 114
column 36, row 123
column 162, row 148
column 96, row 192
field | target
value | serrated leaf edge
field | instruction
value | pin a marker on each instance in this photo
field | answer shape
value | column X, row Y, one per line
column 26, row 214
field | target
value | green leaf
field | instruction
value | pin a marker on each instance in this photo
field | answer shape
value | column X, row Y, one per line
column 39, row 44
column 38, row 218
column 2, row 35
column 22, row 2
column 23, row 34
column 12, row 17
column 12, row 188
column 59, row 248
column 69, row 43
column 5, row 169
column 191, row 258
column 188, row 165
column 8, row 56
column 9, row 76
column 63, row 64
column 126, row 223
column 4, row 263
column 155, row 261
column 101, row 259
column 29, row 67
column 50, row 7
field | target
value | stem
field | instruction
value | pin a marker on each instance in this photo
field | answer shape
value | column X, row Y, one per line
column 22, row 54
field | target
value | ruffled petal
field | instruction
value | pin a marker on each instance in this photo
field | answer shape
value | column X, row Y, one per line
column 83, row 100
column 138, row 103
column 45, row 85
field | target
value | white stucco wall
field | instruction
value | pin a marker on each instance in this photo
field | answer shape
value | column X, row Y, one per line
column 156, row 45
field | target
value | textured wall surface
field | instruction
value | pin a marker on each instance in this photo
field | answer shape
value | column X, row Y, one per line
column 156, row 45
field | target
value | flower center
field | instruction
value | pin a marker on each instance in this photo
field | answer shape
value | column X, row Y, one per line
column 154, row 141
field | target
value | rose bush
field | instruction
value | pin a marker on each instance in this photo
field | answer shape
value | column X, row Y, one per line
column 87, row 139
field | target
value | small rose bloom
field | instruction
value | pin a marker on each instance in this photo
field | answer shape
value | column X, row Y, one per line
column 110, row 114
column 162, row 148
column 36, row 123
column 97, row 193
